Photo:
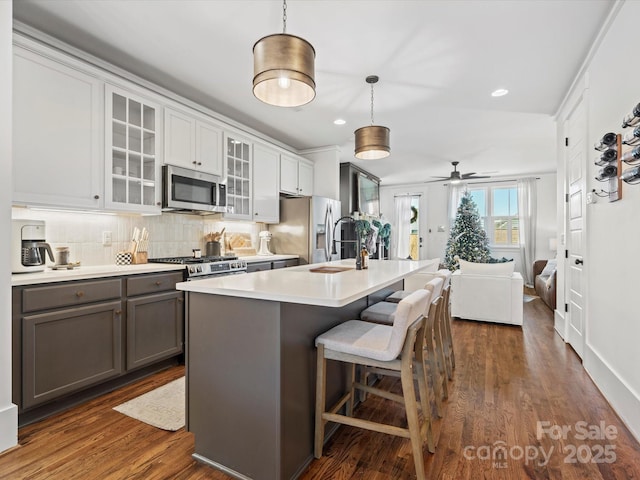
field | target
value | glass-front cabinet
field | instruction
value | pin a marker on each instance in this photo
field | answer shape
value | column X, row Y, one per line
column 132, row 166
column 239, row 176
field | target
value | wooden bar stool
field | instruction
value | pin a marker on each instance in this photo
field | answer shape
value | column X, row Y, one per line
column 389, row 347
column 447, row 337
column 383, row 312
column 444, row 325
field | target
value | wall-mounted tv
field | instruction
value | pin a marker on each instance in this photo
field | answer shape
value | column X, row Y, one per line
column 368, row 196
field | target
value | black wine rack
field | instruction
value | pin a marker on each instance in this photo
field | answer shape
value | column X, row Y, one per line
column 611, row 164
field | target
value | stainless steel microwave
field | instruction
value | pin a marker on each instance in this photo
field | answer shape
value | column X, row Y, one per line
column 189, row 190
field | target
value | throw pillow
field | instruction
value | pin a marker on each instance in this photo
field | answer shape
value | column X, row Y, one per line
column 495, row 269
column 549, row 268
column 548, row 281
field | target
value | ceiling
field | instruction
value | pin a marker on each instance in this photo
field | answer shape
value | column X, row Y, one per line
column 438, row 62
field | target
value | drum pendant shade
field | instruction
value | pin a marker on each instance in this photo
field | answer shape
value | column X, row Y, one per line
column 372, row 142
column 284, row 73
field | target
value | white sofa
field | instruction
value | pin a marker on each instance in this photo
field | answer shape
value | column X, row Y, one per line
column 489, row 292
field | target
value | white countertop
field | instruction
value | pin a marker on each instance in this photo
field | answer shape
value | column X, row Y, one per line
column 89, row 272
column 98, row 271
column 299, row 285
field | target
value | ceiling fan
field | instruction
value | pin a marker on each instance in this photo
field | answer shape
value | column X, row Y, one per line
column 457, row 177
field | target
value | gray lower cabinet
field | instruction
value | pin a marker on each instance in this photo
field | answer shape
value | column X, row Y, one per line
column 154, row 328
column 258, row 266
column 70, row 349
column 292, row 262
column 70, row 336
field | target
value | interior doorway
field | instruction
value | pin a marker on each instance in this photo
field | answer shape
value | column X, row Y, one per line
column 406, row 230
column 415, row 240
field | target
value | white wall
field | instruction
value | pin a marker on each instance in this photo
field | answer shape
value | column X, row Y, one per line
column 612, row 262
column 8, row 411
column 436, row 198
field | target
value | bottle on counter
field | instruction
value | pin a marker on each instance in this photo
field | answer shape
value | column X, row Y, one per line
column 365, row 258
column 632, row 118
column 608, row 140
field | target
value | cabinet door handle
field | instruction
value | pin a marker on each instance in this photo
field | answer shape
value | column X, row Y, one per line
column 199, row 163
column 159, row 204
column 194, row 162
column 158, row 283
column 180, row 300
column 79, row 294
column 118, row 312
column 97, row 197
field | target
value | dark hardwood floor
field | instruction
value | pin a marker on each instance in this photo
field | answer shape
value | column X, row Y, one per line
column 507, row 380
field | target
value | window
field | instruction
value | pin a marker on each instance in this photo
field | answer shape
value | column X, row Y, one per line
column 498, row 209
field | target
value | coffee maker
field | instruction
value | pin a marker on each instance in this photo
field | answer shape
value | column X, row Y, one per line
column 29, row 246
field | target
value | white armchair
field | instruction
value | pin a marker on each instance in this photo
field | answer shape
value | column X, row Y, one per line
column 488, row 292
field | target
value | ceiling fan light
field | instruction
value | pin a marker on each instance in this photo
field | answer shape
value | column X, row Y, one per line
column 372, row 142
column 284, row 73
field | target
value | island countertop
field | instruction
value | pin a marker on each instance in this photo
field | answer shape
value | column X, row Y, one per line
column 302, row 286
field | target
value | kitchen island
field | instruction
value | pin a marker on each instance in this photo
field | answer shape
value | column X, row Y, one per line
column 251, row 359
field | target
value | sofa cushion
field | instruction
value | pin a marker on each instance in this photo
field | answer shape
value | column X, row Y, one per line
column 504, row 269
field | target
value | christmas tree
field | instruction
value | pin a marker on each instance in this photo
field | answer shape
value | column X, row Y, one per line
column 468, row 240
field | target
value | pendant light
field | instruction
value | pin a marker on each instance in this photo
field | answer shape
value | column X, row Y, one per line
column 283, row 68
column 372, row 142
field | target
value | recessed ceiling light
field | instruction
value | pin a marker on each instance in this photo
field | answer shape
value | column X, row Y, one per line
column 339, row 121
column 501, row 92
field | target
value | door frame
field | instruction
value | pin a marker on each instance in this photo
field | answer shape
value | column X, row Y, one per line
column 580, row 97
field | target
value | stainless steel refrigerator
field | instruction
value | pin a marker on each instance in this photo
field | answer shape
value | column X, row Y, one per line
column 306, row 228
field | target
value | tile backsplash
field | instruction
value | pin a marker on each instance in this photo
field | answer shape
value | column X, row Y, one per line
column 170, row 234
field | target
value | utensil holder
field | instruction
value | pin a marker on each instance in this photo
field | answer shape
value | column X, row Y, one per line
column 212, row 249
column 139, row 257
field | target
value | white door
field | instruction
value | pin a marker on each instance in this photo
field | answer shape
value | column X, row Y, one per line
column 576, row 162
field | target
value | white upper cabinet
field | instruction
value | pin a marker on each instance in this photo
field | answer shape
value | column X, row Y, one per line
column 57, row 134
column 132, row 142
column 192, row 142
column 239, row 177
column 296, row 175
column 305, row 178
column 266, row 197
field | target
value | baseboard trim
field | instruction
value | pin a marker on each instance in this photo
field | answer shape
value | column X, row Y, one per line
column 620, row 396
column 8, row 427
column 560, row 324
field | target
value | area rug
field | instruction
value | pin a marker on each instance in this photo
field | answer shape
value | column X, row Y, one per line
column 163, row 407
column 529, row 298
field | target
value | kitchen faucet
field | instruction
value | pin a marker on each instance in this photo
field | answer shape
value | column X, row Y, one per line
column 356, row 241
column 333, row 234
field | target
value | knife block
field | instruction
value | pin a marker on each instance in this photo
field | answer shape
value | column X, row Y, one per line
column 139, row 257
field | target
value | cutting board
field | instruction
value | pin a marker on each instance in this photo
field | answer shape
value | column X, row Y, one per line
column 328, row 269
column 238, row 243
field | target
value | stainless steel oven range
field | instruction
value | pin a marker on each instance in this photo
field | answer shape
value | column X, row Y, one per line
column 206, row 267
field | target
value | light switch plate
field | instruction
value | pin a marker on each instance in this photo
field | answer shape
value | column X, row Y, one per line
column 106, row 238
